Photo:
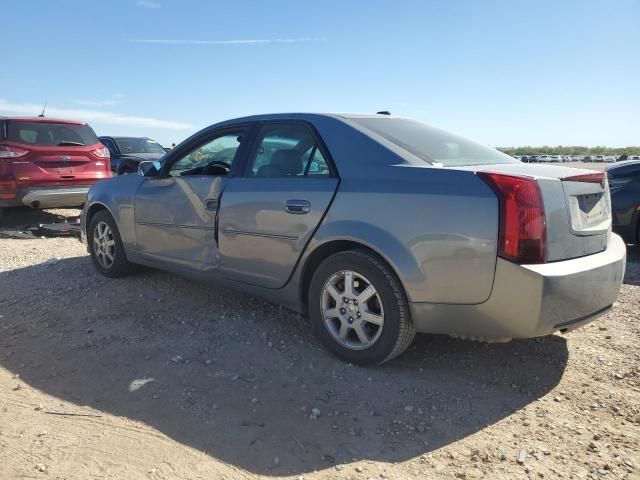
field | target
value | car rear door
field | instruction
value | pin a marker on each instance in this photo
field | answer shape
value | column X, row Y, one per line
column 268, row 216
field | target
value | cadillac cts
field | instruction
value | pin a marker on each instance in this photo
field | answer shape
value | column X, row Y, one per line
column 377, row 226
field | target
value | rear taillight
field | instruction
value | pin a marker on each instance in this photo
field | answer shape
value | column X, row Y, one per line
column 523, row 230
column 101, row 152
column 7, row 151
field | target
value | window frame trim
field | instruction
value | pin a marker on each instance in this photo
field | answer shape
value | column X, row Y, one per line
column 319, row 143
column 204, row 137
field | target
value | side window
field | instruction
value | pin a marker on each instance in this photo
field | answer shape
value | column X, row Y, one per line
column 317, row 165
column 287, row 150
column 212, row 158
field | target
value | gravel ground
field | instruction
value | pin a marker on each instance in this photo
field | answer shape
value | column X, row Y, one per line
column 159, row 377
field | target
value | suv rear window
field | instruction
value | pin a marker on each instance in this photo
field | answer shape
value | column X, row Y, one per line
column 431, row 144
column 50, row 134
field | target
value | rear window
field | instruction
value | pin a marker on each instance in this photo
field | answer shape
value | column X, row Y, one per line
column 139, row 145
column 624, row 170
column 433, row 145
column 50, row 134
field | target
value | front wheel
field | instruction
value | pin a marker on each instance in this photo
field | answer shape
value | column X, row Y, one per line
column 358, row 308
column 105, row 246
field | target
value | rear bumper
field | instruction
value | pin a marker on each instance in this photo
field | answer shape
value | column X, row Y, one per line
column 48, row 197
column 534, row 300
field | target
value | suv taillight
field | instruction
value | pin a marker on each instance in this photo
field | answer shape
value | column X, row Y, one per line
column 523, row 231
column 7, row 151
column 101, row 152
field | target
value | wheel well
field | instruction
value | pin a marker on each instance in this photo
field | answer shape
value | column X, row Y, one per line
column 321, row 253
column 95, row 208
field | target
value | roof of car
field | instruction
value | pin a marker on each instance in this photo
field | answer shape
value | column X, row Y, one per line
column 44, row 120
column 303, row 116
column 121, row 137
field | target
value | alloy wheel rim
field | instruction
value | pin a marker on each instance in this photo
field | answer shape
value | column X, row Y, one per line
column 352, row 310
column 104, row 245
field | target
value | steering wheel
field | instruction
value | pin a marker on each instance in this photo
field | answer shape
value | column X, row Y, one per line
column 216, row 163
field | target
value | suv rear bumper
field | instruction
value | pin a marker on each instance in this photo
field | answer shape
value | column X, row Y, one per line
column 48, row 197
column 534, row 300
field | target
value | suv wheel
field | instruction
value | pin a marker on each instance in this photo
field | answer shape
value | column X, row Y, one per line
column 105, row 246
column 358, row 308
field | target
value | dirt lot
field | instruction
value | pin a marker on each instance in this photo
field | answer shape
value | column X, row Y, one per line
column 159, row 377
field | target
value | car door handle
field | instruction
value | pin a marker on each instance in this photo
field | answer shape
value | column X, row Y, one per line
column 211, row 204
column 297, row 206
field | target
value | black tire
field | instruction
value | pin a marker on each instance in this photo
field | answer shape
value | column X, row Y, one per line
column 120, row 266
column 398, row 330
column 125, row 171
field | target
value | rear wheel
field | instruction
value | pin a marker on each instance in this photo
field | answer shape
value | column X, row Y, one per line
column 105, row 246
column 358, row 308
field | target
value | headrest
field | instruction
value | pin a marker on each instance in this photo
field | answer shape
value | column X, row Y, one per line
column 288, row 160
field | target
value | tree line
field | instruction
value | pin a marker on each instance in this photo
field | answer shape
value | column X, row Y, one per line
column 570, row 150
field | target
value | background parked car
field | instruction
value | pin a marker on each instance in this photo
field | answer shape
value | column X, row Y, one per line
column 128, row 152
column 48, row 163
column 624, row 184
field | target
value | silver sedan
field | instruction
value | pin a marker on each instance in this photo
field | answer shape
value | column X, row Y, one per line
column 376, row 226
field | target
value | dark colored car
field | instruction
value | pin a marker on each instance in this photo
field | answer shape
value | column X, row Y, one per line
column 48, row 163
column 128, row 152
column 624, row 182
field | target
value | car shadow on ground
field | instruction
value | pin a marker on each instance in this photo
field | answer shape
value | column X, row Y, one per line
column 238, row 378
column 21, row 216
column 27, row 223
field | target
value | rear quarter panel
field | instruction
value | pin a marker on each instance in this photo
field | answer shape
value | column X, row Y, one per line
column 438, row 229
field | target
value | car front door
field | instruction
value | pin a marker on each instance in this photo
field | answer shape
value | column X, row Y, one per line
column 176, row 212
column 268, row 215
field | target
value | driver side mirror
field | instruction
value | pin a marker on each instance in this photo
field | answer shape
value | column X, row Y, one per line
column 149, row 168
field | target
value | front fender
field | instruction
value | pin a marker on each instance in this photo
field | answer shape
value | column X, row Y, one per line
column 117, row 195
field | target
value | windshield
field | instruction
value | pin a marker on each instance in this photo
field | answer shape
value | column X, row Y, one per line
column 139, row 145
column 45, row 134
column 433, row 145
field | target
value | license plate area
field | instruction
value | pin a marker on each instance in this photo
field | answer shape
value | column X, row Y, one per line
column 589, row 213
column 592, row 209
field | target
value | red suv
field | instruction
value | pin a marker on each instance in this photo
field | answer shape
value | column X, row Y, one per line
column 47, row 163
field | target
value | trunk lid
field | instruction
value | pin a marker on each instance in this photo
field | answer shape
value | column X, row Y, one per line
column 54, row 166
column 577, row 206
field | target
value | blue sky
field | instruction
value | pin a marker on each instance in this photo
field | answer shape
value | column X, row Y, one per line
column 503, row 72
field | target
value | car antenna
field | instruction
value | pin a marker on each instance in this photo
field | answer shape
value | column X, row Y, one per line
column 383, row 112
column 43, row 109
